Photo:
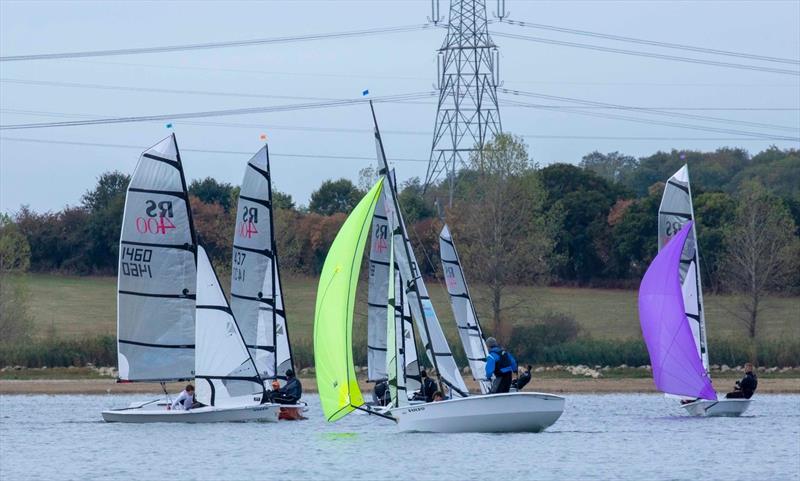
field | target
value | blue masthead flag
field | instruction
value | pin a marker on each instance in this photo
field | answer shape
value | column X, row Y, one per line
column 169, row 126
column 365, row 93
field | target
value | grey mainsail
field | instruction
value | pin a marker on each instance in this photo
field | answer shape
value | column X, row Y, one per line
column 676, row 210
column 256, row 294
column 469, row 328
column 379, row 254
column 225, row 373
column 157, row 275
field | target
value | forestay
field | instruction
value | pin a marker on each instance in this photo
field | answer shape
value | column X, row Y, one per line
column 430, row 330
column 225, row 373
column 469, row 328
column 677, row 367
column 256, row 296
column 333, row 318
column 673, row 213
column 157, row 274
column 376, row 295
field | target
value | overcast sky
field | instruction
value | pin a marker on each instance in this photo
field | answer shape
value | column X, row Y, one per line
column 48, row 175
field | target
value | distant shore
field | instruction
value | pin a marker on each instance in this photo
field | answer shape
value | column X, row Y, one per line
column 551, row 385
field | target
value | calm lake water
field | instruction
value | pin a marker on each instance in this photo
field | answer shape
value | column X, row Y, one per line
column 599, row 436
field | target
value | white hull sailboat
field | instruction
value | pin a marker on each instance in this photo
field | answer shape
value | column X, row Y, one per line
column 173, row 319
column 158, row 413
column 672, row 311
column 720, row 407
column 520, row 412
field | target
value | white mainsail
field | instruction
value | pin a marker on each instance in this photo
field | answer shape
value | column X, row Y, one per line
column 676, row 210
column 225, row 373
column 469, row 328
column 407, row 349
column 256, row 295
column 157, row 275
column 430, row 330
column 376, row 295
column 395, row 363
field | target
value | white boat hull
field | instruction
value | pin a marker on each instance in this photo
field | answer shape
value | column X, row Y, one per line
column 721, row 407
column 158, row 413
column 520, row 412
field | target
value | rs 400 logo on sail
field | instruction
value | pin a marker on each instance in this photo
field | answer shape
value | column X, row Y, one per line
column 157, row 219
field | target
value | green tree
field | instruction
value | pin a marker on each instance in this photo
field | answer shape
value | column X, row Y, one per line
column 334, row 196
column 210, row 191
column 414, row 206
column 715, row 212
column 105, row 205
column 15, row 252
column 499, row 224
column 762, row 251
column 281, row 200
column 613, row 166
column 110, row 186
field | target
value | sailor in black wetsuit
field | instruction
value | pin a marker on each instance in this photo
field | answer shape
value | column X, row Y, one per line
column 746, row 387
column 428, row 388
column 290, row 393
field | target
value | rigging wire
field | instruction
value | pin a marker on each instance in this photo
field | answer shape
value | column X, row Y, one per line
column 213, row 45
column 620, row 38
column 640, row 53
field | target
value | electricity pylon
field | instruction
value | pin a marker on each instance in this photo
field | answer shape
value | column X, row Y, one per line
column 468, row 76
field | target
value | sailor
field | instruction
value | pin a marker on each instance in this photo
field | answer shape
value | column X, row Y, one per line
column 185, row 400
column 522, row 379
column 746, row 387
column 500, row 364
column 290, row 393
column 438, row 396
column 381, row 394
column 427, row 389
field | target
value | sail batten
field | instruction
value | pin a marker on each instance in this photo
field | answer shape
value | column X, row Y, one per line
column 677, row 366
column 157, row 275
column 469, row 328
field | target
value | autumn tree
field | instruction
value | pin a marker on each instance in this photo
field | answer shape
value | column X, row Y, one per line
column 761, row 251
column 15, row 252
column 499, row 225
column 335, row 196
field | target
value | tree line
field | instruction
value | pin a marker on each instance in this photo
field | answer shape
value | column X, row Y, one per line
column 514, row 222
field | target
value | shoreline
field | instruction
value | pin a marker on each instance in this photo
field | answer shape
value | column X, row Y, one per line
column 551, row 385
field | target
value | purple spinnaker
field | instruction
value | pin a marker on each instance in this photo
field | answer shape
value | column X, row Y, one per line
column 677, row 368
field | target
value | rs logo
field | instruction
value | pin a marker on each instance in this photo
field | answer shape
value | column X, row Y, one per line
column 249, row 221
column 158, row 218
column 381, row 234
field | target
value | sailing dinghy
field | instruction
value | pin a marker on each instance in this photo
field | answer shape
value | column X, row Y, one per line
column 671, row 309
column 339, row 391
column 256, row 289
column 173, row 320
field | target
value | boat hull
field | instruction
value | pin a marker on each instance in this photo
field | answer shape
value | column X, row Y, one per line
column 721, row 407
column 157, row 413
column 521, row 412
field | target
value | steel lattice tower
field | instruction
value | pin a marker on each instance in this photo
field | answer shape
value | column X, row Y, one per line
column 468, row 71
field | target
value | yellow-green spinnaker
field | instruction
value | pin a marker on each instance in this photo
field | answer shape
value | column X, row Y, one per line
column 333, row 318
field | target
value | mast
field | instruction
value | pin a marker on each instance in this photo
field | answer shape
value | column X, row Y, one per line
column 415, row 279
column 698, row 281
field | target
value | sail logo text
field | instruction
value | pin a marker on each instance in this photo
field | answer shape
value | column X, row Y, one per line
column 381, row 234
column 238, row 272
column 135, row 261
column 157, row 218
column 249, row 221
column 450, row 276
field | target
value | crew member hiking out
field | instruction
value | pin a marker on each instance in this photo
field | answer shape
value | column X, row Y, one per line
column 500, row 364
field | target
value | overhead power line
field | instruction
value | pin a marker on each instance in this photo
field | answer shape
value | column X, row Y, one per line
column 212, row 45
column 218, row 113
column 203, row 151
column 646, row 54
column 212, row 93
column 655, row 43
column 649, row 111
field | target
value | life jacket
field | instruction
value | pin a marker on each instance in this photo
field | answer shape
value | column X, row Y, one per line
column 502, row 364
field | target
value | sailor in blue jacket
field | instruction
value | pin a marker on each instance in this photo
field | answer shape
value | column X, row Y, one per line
column 500, row 364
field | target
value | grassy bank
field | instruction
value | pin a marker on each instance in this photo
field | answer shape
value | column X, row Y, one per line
column 75, row 323
column 74, row 307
